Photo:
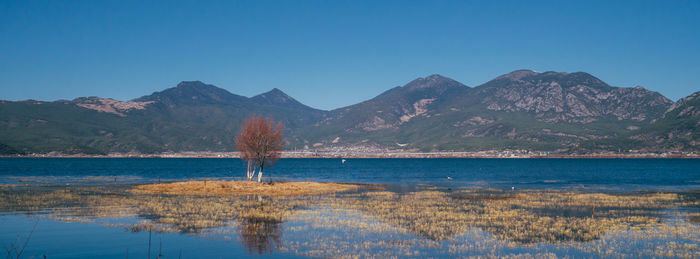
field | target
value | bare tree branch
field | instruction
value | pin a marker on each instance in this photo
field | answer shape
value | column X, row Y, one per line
column 260, row 143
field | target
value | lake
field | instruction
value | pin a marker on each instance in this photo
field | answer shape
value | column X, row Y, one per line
column 84, row 207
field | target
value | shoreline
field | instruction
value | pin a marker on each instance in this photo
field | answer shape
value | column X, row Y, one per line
column 292, row 154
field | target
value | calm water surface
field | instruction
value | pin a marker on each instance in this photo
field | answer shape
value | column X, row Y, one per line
column 624, row 174
column 82, row 208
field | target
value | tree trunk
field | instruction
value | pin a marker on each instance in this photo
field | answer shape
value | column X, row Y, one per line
column 249, row 173
column 251, row 170
column 260, row 173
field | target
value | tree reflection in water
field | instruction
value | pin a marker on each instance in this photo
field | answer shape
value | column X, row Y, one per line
column 261, row 235
column 260, row 230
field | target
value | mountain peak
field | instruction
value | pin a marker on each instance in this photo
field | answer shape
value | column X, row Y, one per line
column 275, row 95
column 436, row 77
column 276, row 91
column 432, row 81
column 562, row 78
column 192, row 92
column 518, row 74
column 201, row 87
column 278, row 97
column 581, row 74
column 185, row 84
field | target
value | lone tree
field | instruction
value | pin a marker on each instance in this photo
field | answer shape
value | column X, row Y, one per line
column 260, row 143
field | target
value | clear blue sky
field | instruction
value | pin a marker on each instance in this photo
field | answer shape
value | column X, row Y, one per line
column 328, row 54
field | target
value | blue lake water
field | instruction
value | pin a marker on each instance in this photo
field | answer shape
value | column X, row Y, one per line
column 80, row 223
column 614, row 174
column 58, row 239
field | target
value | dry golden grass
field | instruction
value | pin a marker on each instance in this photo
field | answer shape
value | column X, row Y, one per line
column 223, row 188
column 524, row 217
column 592, row 223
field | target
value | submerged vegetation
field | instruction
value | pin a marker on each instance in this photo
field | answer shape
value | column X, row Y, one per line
column 374, row 222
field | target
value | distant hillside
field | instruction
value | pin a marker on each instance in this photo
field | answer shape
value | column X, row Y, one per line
column 192, row 116
column 520, row 110
column 551, row 111
column 677, row 130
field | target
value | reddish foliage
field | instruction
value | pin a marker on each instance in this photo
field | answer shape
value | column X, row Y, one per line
column 260, row 141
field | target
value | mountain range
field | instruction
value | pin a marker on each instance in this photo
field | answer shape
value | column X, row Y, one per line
column 566, row 113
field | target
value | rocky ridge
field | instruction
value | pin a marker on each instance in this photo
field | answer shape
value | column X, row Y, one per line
column 575, row 97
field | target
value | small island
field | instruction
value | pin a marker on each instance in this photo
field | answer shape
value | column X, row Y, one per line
column 222, row 188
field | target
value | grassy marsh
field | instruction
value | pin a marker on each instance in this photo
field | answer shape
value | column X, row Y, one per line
column 373, row 222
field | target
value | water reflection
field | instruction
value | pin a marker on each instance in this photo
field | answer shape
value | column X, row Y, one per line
column 261, row 235
column 420, row 222
column 260, row 226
